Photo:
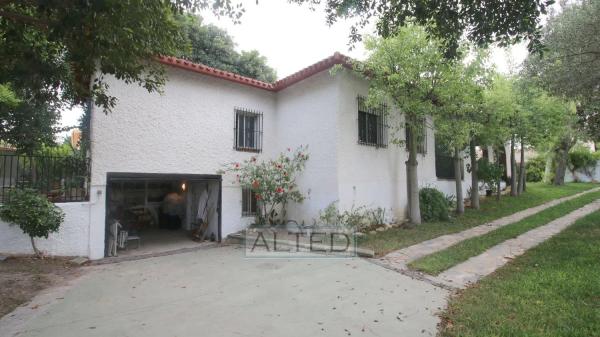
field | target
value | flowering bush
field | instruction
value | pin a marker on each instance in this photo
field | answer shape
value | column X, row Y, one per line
column 273, row 182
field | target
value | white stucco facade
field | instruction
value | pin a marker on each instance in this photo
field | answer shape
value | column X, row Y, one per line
column 189, row 129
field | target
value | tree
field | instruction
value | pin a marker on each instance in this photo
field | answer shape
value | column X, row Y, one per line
column 33, row 213
column 55, row 48
column 505, row 22
column 502, row 112
column 213, row 46
column 406, row 69
column 459, row 119
column 570, row 65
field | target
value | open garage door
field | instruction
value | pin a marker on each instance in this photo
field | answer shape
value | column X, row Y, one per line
column 150, row 213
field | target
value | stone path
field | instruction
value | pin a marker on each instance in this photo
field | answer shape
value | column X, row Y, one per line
column 397, row 260
column 479, row 266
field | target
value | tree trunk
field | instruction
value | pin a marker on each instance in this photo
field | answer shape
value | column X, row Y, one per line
column 412, row 179
column 35, row 250
column 460, row 200
column 520, row 187
column 499, row 184
column 474, row 178
column 561, row 165
column 548, row 169
column 513, row 168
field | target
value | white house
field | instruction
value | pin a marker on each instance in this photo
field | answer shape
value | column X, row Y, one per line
column 153, row 144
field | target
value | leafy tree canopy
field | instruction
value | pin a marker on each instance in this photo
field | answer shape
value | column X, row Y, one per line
column 503, row 21
column 213, row 46
column 570, row 66
column 52, row 49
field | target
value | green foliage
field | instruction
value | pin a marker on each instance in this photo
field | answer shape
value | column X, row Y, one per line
column 358, row 218
column 489, row 173
column 535, row 168
column 33, row 213
column 51, row 50
column 570, row 63
column 505, row 22
column 213, row 46
column 581, row 158
column 273, row 181
column 434, row 204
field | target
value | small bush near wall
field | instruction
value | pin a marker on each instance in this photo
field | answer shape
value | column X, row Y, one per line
column 582, row 159
column 434, row 204
column 535, row 168
column 33, row 213
column 360, row 218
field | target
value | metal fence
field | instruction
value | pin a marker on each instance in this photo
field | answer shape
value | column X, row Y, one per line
column 60, row 178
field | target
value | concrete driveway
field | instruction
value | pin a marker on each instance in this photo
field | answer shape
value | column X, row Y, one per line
column 218, row 292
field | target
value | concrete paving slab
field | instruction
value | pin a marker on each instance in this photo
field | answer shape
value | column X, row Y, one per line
column 486, row 263
column 399, row 259
column 218, row 292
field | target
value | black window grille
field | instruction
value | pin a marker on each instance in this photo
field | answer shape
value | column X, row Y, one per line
column 58, row 177
column 249, row 202
column 372, row 124
column 421, row 135
column 444, row 162
column 248, row 130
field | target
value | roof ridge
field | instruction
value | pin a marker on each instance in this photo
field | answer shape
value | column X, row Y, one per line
column 336, row 58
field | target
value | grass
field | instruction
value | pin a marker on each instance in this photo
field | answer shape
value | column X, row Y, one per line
column 537, row 194
column 438, row 262
column 551, row 290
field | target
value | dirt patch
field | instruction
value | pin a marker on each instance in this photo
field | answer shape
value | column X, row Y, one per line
column 21, row 278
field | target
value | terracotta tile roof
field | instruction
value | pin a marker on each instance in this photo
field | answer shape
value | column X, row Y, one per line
column 294, row 78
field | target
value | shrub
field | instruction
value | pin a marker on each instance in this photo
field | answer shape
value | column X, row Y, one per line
column 489, row 173
column 535, row 168
column 273, row 182
column 434, row 204
column 358, row 218
column 33, row 213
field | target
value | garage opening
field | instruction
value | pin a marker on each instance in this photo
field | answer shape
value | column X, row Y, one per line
column 154, row 213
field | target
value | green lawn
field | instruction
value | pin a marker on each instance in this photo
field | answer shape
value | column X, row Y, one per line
column 436, row 263
column 537, row 193
column 552, row 290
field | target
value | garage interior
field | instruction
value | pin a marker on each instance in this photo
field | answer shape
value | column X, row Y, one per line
column 155, row 213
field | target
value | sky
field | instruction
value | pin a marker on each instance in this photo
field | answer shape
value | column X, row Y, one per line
column 293, row 37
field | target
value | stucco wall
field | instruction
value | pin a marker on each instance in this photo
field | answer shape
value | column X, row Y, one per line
column 306, row 115
column 189, row 129
column 72, row 239
column 376, row 177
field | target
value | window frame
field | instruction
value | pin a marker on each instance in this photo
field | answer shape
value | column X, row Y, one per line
column 249, row 202
column 372, row 124
column 446, row 172
column 254, row 129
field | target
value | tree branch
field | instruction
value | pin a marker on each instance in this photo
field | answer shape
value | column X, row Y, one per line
column 20, row 18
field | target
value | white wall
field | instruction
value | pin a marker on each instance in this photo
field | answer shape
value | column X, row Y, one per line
column 188, row 130
column 590, row 175
column 376, row 177
column 72, row 239
column 306, row 115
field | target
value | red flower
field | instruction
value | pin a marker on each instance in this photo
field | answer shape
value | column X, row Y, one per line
column 255, row 184
column 257, row 196
column 279, row 190
column 237, row 165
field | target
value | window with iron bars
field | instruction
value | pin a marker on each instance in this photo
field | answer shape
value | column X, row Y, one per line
column 248, row 130
column 249, row 202
column 372, row 124
column 444, row 162
column 421, row 136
